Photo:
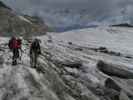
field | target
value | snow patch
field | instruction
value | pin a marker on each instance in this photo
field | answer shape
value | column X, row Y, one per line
column 24, row 19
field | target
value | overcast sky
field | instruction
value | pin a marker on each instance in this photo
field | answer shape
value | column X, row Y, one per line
column 96, row 8
column 93, row 6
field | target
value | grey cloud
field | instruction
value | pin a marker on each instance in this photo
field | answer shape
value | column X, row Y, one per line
column 95, row 9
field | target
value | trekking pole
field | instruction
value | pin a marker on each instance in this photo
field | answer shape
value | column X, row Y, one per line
column 21, row 55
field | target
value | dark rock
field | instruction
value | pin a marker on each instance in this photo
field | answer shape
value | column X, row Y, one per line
column 2, row 5
column 79, row 49
column 113, row 70
column 70, row 43
column 103, row 49
column 50, row 41
column 107, row 93
column 109, row 83
column 122, row 25
column 115, row 53
column 129, row 57
column 73, row 64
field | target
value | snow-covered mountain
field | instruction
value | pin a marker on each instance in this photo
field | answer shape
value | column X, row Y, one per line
column 87, row 64
column 68, row 14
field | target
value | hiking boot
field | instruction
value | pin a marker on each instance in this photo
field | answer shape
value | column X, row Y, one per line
column 34, row 66
column 14, row 62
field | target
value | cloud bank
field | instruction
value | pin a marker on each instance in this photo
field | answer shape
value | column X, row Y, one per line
column 72, row 12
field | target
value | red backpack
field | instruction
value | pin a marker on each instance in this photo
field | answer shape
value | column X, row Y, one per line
column 19, row 42
column 13, row 43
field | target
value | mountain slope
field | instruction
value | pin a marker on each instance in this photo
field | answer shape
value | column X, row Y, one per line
column 69, row 14
column 2, row 5
column 12, row 23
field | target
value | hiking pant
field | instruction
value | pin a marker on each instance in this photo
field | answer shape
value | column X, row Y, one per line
column 15, row 56
column 33, row 59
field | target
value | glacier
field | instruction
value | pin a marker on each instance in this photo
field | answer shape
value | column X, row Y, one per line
column 67, row 68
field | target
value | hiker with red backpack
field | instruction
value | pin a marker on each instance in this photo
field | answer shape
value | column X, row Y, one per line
column 14, row 45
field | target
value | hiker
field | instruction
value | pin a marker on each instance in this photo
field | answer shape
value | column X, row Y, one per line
column 35, row 51
column 14, row 47
column 19, row 41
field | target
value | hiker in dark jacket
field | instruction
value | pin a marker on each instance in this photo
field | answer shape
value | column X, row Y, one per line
column 14, row 47
column 35, row 51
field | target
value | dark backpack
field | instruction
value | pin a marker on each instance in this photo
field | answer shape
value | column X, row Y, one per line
column 35, row 46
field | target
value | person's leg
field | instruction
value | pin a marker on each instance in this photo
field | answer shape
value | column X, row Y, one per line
column 35, row 60
column 31, row 59
column 18, row 53
column 14, row 62
column 15, row 56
